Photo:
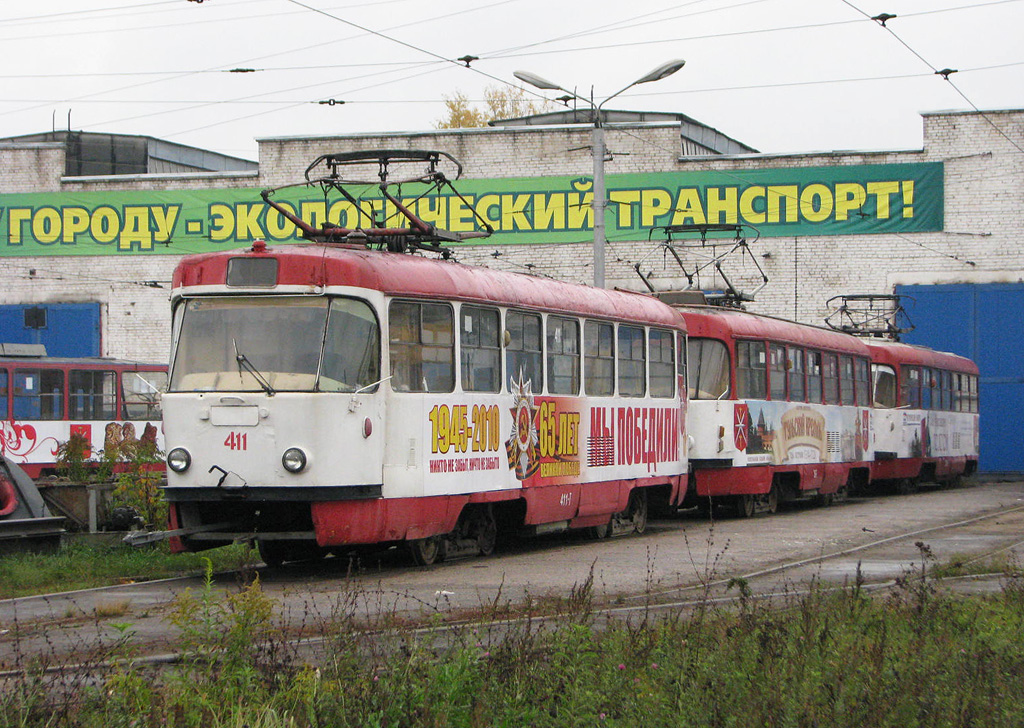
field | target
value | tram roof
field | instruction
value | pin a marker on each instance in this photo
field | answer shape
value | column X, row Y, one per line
column 724, row 323
column 897, row 352
column 402, row 274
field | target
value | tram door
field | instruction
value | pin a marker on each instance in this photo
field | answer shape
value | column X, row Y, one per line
column 986, row 323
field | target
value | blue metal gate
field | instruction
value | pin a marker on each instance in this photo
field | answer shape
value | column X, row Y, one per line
column 986, row 323
column 65, row 329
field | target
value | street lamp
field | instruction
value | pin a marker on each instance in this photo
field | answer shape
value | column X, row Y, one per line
column 598, row 148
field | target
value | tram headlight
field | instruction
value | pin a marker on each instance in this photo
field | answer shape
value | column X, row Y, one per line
column 179, row 460
column 294, row 460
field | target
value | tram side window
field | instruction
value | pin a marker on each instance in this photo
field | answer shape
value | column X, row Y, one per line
column 422, row 337
column 481, row 349
column 563, row 355
column 708, row 369
column 795, row 375
column 599, row 358
column 777, row 371
column 973, row 384
column 92, row 395
column 632, row 363
column 947, row 390
column 884, row 386
column 751, row 374
column 141, row 393
column 38, row 394
column 927, row 385
column 663, row 366
column 910, row 391
column 351, row 349
column 4, row 414
column 846, row 379
column 814, row 376
column 525, row 355
column 861, row 381
column 830, row 376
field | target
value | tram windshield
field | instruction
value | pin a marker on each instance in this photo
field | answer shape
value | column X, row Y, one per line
column 275, row 344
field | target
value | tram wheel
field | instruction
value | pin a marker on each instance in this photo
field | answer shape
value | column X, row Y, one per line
column 487, row 534
column 427, row 551
column 600, row 532
column 772, row 499
column 906, row 486
column 638, row 509
column 746, row 505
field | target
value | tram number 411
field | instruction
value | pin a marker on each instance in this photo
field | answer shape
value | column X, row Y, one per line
column 237, row 441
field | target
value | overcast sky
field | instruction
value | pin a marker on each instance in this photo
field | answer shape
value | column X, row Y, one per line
column 779, row 75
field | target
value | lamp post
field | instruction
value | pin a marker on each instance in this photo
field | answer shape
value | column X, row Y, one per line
column 598, row 148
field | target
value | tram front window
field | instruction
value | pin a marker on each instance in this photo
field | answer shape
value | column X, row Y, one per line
column 274, row 344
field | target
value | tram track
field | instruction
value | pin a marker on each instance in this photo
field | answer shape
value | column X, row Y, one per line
column 396, row 589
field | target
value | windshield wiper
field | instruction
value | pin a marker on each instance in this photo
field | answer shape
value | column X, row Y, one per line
column 245, row 365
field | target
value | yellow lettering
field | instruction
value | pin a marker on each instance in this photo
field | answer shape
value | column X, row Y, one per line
column 747, row 205
column 431, row 210
column 908, row 198
column 247, row 221
column 278, row 226
column 883, row 192
column 314, row 213
column 461, row 217
column 222, row 222
column 513, row 212
column 849, row 196
column 816, row 203
column 779, row 194
column 485, row 207
column 136, row 230
column 580, row 209
column 689, row 208
column 165, row 218
column 76, row 222
column 654, row 203
column 721, row 205
column 105, row 225
column 624, row 201
column 16, row 217
column 46, row 225
column 549, row 211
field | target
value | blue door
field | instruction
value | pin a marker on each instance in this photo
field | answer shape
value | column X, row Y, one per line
column 65, row 329
column 986, row 323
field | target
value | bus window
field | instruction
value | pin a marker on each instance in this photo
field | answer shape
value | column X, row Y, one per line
column 814, row 376
column 422, row 347
column 830, row 377
column 708, row 362
column 38, row 394
column 795, row 375
column 524, row 354
column 632, row 364
column 884, row 386
column 599, row 359
column 846, row 379
column 861, row 379
column 141, row 394
column 563, row 355
column 92, row 395
column 663, row 365
column 751, row 375
column 481, row 349
column 777, row 371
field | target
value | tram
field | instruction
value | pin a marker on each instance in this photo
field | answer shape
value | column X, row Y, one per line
column 330, row 395
column 44, row 401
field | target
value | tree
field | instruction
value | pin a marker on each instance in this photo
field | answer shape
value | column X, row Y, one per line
column 506, row 102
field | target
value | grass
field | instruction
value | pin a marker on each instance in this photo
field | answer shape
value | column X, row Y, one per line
column 79, row 566
column 914, row 657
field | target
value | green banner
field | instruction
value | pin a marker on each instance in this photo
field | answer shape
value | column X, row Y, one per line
column 796, row 201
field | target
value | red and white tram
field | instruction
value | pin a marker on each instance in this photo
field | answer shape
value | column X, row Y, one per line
column 44, row 401
column 322, row 396
column 778, row 410
column 925, row 422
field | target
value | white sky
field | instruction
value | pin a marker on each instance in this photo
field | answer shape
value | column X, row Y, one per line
column 779, row 75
